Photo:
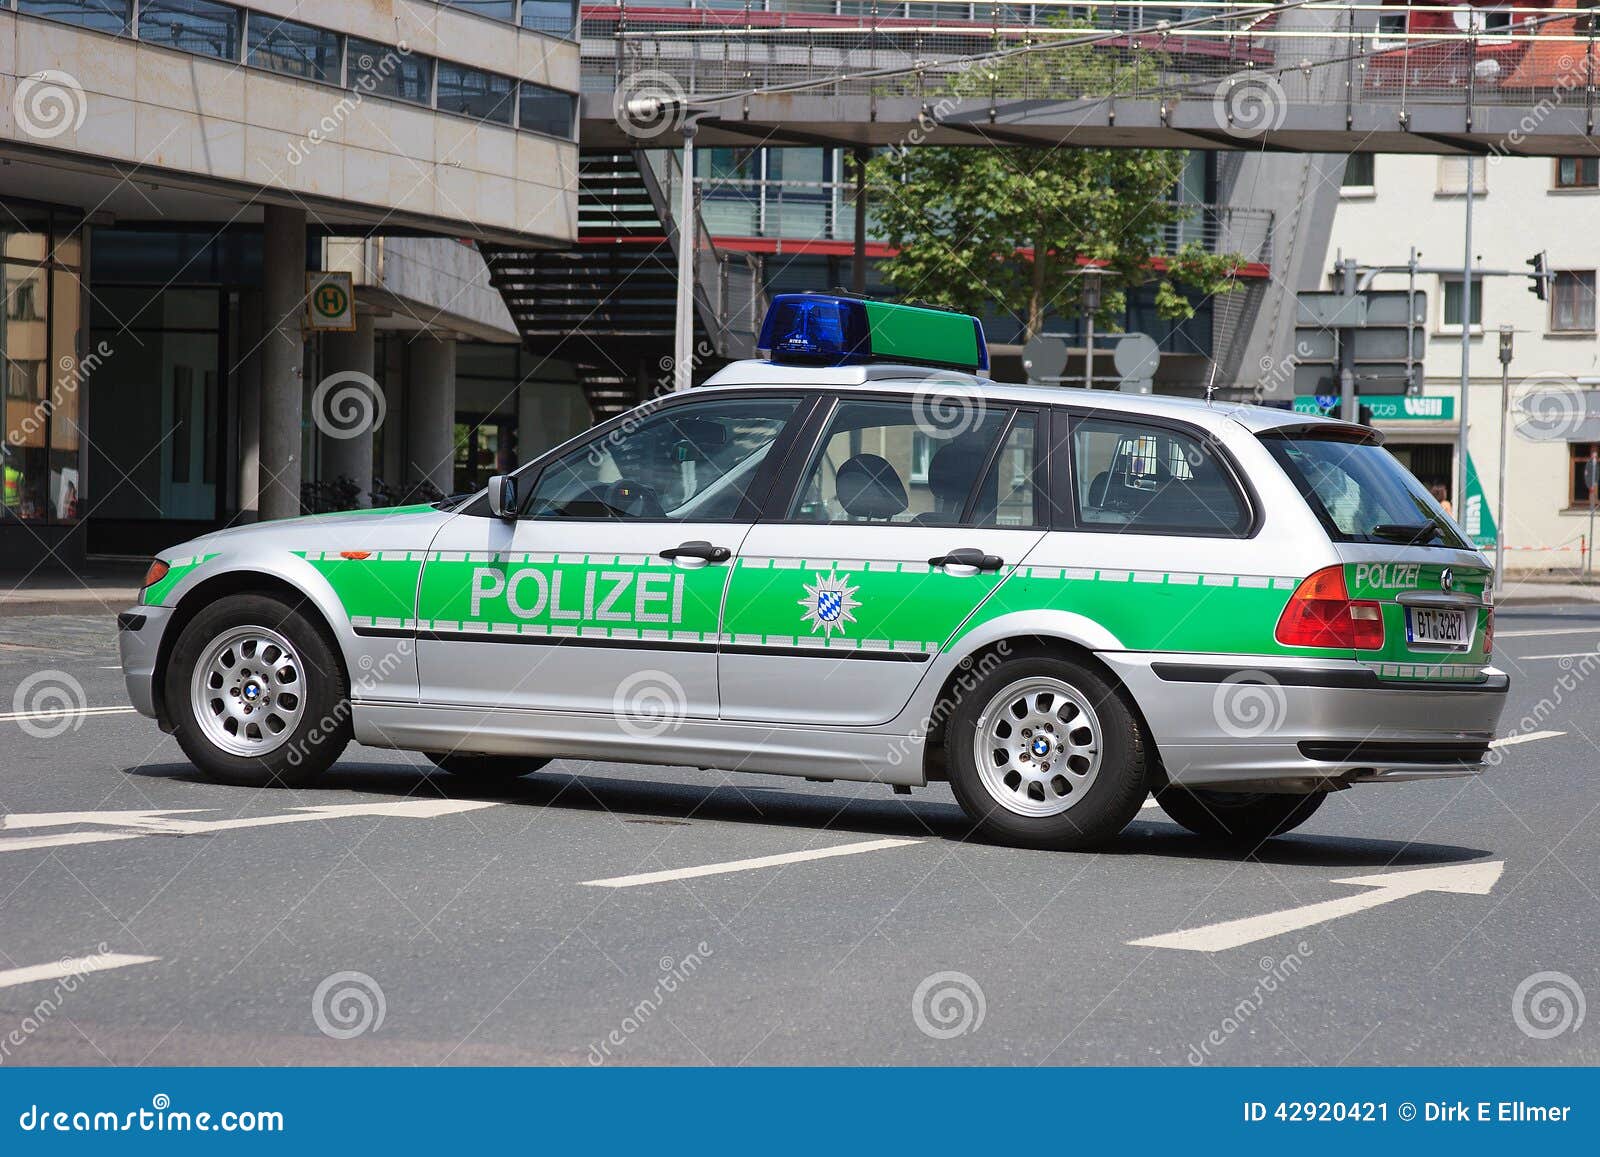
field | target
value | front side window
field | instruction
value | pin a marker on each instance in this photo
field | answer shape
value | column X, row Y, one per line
column 891, row 462
column 1361, row 493
column 1130, row 477
column 295, row 49
column 685, row 463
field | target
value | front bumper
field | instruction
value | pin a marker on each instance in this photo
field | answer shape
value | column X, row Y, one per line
column 1263, row 723
column 139, row 633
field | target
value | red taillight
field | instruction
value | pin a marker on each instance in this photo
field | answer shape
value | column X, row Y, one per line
column 157, row 572
column 1321, row 613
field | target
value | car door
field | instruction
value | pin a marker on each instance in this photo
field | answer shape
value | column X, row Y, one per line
column 605, row 593
column 888, row 535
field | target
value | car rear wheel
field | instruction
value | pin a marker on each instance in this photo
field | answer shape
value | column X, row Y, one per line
column 1047, row 753
column 1241, row 816
column 486, row 770
column 257, row 693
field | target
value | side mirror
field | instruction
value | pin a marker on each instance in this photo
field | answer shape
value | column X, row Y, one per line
column 503, row 497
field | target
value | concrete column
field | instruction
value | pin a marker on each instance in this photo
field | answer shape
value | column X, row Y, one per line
column 283, row 281
column 247, row 373
column 352, row 404
column 431, row 412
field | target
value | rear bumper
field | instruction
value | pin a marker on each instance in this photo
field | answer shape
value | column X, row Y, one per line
column 139, row 632
column 1304, row 725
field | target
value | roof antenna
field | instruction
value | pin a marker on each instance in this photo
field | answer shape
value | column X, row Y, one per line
column 1211, row 381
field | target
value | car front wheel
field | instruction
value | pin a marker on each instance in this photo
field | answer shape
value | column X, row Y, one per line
column 1047, row 753
column 257, row 693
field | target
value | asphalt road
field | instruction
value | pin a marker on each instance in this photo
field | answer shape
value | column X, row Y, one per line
column 463, row 929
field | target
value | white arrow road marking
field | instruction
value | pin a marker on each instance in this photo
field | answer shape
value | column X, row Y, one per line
column 52, row 716
column 77, row 966
column 747, row 865
column 1528, row 737
column 1386, row 887
column 133, row 825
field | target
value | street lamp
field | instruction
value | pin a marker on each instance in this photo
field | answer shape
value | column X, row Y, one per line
column 1091, row 306
column 1505, row 420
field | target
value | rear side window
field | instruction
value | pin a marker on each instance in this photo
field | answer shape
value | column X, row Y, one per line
column 1143, row 479
column 1361, row 493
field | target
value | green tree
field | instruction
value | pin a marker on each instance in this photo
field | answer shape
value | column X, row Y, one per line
column 1010, row 227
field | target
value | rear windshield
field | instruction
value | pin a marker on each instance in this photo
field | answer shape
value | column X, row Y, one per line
column 1361, row 493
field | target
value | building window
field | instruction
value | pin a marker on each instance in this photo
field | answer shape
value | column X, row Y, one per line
column 493, row 9
column 196, row 26
column 1358, row 171
column 1572, row 301
column 1453, row 175
column 383, row 71
column 101, row 15
column 473, row 93
column 1578, row 487
column 556, row 17
column 1577, row 172
column 1451, row 318
column 544, row 110
column 295, row 49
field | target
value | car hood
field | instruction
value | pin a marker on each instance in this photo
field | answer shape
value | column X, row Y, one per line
column 389, row 528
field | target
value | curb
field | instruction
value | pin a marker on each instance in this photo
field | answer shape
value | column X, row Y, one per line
column 24, row 608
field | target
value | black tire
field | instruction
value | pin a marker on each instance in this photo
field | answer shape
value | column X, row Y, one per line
column 486, row 770
column 1244, row 817
column 1101, row 809
column 321, row 729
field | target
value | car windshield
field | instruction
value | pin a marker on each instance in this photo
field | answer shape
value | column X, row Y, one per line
column 1361, row 493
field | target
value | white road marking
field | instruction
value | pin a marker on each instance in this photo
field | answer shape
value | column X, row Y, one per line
column 1148, row 804
column 1498, row 635
column 1562, row 655
column 133, row 825
column 747, row 865
column 1385, row 888
column 77, row 966
column 1528, row 737
column 75, row 713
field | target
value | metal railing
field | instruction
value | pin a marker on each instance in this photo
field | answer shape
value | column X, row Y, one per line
column 825, row 210
column 1305, row 53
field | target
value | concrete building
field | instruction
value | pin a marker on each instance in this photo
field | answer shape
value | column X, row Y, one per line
column 177, row 176
column 1523, row 206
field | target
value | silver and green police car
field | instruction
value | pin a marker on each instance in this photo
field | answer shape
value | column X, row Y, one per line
column 862, row 560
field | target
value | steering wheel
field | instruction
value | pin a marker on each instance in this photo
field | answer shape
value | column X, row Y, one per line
column 630, row 499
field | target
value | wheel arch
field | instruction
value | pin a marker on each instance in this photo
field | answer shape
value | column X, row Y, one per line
column 973, row 662
column 234, row 582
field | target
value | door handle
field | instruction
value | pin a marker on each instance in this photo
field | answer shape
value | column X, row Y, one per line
column 698, row 548
column 969, row 556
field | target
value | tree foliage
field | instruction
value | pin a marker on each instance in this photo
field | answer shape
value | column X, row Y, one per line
column 1010, row 228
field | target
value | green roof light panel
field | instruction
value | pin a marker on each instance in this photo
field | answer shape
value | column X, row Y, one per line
column 829, row 329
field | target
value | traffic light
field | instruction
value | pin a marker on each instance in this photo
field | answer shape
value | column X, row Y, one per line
column 1539, row 275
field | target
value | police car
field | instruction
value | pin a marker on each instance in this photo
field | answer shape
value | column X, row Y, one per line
column 862, row 560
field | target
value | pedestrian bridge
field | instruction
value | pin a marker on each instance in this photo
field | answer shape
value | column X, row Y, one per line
column 1297, row 77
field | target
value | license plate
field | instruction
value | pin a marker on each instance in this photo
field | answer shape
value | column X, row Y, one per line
column 1436, row 626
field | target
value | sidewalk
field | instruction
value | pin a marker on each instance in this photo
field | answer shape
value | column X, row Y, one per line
column 1544, row 590
column 104, row 588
